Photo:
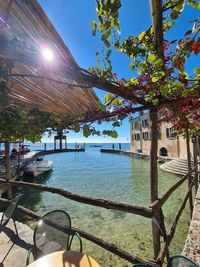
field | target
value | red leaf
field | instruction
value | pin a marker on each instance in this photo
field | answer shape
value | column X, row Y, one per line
column 172, row 42
column 188, row 33
column 140, row 79
column 196, row 47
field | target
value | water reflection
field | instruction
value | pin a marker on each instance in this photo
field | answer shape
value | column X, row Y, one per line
column 32, row 198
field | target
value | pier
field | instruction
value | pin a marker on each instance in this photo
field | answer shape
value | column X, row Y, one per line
column 19, row 162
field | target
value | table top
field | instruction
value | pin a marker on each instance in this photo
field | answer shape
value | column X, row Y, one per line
column 66, row 258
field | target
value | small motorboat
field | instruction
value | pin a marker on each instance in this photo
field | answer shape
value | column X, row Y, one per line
column 38, row 167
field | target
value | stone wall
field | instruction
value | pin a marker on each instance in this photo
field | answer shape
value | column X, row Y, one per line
column 192, row 244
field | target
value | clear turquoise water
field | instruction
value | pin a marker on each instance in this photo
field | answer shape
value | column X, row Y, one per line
column 114, row 177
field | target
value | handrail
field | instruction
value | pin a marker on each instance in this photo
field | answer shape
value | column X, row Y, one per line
column 98, row 241
column 139, row 210
column 161, row 201
column 169, row 237
column 108, row 204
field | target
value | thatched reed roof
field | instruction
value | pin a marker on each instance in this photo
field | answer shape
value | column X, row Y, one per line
column 51, row 86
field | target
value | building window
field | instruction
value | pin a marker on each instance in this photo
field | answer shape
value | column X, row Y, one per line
column 145, row 136
column 137, row 126
column 171, row 133
column 159, row 134
column 145, row 123
column 137, row 137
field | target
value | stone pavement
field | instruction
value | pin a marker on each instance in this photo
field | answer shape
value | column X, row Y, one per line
column 17, row 255
column 192, row 244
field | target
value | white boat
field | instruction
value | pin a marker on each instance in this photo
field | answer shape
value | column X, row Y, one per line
column 38, row 167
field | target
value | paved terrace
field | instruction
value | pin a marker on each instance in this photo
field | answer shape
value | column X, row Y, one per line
column 17, row 255
column 192, row 244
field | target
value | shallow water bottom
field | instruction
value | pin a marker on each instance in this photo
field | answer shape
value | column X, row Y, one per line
column 114, row 177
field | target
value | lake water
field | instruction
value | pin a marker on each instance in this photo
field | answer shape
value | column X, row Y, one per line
column 114, row 177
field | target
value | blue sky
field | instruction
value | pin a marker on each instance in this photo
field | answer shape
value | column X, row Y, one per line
column 72, row 19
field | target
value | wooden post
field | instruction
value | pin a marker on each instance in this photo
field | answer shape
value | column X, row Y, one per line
column 7, row 168
column 195, row 164
column 189, row 168
column 60, row 142
column 54, row 143
column 154, row 179
column 178, row 146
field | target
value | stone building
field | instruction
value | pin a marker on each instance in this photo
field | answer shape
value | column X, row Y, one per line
column 169, row 143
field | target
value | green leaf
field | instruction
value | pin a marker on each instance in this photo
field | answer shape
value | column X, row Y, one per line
column 168, row 25
column 178, row 85
column 151, row 58
column 155, row 102
column 94, row 27
column 197, row 71
column 164, row 90
column 108, row 53
column 141, row 36
column 161, row 73
column 107, row 44
column 76, row 128
column 194, row 4
column 86, row 131
column 106, row 132
column 131, row 66
column 116, row 124
column 158, row 62
column 154, row 79
column 114, row 134
column 177, row 10
column 132, row 81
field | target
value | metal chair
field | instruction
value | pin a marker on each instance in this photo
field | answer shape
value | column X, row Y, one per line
column 175, row 261
column 7, row 215
column 139, row 265
column 53, row 233
column 181, row 261
column 9, row 212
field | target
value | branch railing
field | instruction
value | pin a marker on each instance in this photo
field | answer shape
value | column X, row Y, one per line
column 154, row 211
column 96, row 240
column 161, row 201
column 107, row 204
column 170, row 236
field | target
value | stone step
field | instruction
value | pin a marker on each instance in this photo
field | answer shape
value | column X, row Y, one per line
column 177, row 166
column 176, row 169
column 185, row 168
column 180, row 172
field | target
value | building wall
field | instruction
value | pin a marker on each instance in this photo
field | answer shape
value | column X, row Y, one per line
column 167, row 139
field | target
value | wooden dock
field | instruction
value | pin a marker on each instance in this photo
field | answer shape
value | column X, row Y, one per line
column 17, row 166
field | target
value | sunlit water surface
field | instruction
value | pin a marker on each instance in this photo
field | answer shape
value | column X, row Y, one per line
column 114, row 177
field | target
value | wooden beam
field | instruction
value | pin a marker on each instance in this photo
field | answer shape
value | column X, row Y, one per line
column 96, row 240
column 104, row 203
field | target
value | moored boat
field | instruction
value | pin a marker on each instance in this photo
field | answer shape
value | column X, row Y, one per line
column 38, row 167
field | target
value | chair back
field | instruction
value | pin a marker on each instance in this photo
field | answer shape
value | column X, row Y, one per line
column 181, row 261
column 9, row 211
column 139, row 265
column 52, row 233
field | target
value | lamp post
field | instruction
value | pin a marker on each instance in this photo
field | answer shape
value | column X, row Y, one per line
column 194, row 139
